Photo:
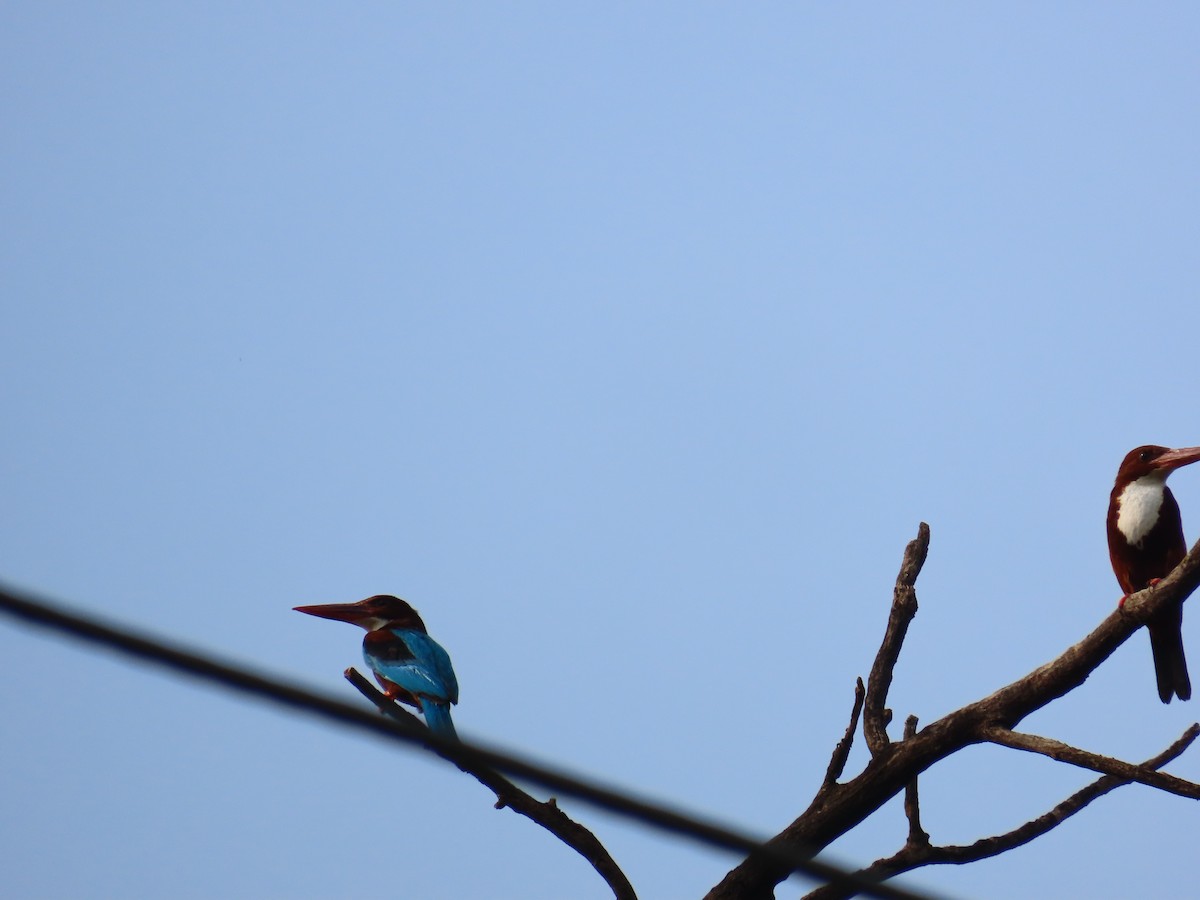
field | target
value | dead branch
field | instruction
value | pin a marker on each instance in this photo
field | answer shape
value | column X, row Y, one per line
column 841, row 753
column 892, row 767
column 1105, row 765
column 912, row 803
column 546, row 814
column 911, row 857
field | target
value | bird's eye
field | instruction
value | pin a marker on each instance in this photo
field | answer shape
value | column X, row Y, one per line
column 1144, row 456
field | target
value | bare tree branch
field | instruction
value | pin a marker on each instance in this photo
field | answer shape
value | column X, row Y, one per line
column 911, row 857
column 1105, row 765
column 547, row 814
column 992, row 846
column 892, row 766
column 904, row 607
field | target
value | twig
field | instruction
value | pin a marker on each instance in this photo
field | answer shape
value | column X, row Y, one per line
column 1106, row 765
column 992, row 846
column 904, row 607
column 547, row 814
column 841, row 753
column 917, row 836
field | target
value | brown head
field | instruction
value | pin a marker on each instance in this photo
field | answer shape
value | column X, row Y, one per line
column 1154, row 461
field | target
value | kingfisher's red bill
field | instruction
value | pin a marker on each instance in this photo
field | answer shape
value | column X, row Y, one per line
column 370, row 614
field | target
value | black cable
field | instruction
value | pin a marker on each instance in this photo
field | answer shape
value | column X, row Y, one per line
column 207, row 669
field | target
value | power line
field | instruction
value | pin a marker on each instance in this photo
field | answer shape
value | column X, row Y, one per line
column 205, row 668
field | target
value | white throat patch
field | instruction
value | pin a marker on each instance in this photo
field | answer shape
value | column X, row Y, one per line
column 1138, row 506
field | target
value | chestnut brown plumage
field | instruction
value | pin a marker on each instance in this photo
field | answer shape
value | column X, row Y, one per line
column 1145, row 542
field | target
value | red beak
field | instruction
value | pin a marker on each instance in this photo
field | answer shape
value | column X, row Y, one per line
column 1173, row 459
column 339, row 612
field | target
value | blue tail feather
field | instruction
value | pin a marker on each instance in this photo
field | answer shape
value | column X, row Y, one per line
column 437, row 717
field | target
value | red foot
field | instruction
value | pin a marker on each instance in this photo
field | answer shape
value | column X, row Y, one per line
column 1151, row 583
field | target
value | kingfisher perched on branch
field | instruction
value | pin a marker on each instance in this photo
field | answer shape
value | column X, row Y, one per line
column 410, row 665
column 1145, row 542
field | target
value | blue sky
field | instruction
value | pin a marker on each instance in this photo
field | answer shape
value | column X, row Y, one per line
column 630, row 345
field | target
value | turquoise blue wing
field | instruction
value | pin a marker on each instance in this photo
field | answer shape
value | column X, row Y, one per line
column 414, row 661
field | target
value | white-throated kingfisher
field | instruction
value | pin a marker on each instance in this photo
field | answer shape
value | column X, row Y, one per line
column 410, row 665
column 1145, row 542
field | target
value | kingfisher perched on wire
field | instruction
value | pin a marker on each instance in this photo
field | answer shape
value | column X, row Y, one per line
column 410, row 665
